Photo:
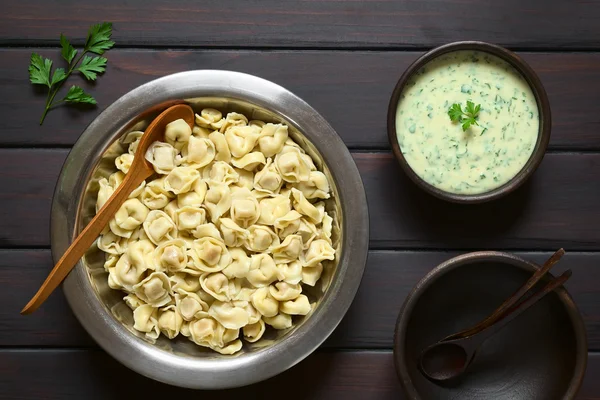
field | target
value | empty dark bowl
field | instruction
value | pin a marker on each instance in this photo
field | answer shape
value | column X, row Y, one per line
column 541, row 98
column 542, row 354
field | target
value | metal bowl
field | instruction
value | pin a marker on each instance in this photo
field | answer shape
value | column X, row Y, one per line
column 102, row 311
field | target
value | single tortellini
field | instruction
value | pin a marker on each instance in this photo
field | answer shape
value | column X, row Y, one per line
column 133, row 301
column 220, row 173
column 283, row 291
column 310, row 275
column 155, row 196
column 246, row 179
column 244, row 208
column 171, row 256
column 316, row 187
column 233, row 234
column 159, row 226
column 318, row 251
column 268, row 180
column 141, row 253
column 110, row 262
column 253, row 332
column 132, row 139
column 162, row 156
column 191, row 306
column 299, row 306
column 291, row 272
column 123, row 162
column 326, row 227
column 206, row 230
column 280, row 321
column 206, row 332
column 228, row 315
column 217, row 201
column 241, row 139
column 288, row 224
column 110, row 243
column 181, row 179
column 291, row 165
column 272, row 138
column 189, row 217
column 303, row 206
column 199, row 152
column 184, row 282
column 250, row 161
column 155, row 290
column 264, row 302
column 272, row 208
column 210, row 254
column 289, row 250
column 170, row 321
column 104, row 193
column 125, row 274
column 145, row 320
column 263, row 270
column 240, row 264
column 218, row 286
column 233, row 119
column 221, row 146
column 178, row 133
column 131, row 214
column 195, row 197
column 261, row 238
column 208, row 116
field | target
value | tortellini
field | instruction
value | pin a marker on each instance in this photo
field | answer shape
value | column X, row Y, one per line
column 219, row 244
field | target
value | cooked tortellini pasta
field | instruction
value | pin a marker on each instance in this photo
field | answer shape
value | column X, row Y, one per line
column 226, row 240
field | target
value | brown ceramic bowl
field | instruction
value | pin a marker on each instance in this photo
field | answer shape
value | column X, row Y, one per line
column 542, row 354
column 544, row 120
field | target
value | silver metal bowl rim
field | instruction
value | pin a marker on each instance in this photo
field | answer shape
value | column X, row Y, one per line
column 140, row 355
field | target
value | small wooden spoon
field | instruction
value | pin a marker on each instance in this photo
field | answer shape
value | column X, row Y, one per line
column 447, row 359
column 140, row 170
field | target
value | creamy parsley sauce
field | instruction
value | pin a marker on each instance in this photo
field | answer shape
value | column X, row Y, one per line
column 483, row 157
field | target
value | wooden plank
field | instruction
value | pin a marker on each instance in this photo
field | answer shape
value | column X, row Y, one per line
column 78, row 374
column 370, row 322
column 557, row 207
column 350, row 89
column 339, row 23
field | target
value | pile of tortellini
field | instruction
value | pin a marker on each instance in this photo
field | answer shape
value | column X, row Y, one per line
column 222, row 239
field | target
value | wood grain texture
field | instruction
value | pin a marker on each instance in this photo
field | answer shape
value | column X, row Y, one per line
column 370, row 322
column 350, row 89
column 290, row 23
column 89, row 374
column 556, row 208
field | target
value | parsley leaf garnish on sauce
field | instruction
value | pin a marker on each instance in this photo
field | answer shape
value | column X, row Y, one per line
column 40, row 69
column 467, row 117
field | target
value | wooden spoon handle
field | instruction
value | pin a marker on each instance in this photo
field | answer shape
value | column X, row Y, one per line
column 86, row 238
column 520, row 294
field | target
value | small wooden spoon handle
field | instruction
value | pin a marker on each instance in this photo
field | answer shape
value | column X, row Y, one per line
column 501, row 311
column 86, row 238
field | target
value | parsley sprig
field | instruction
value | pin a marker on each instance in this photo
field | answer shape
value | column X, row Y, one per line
column 467, row 117
column 40, row 69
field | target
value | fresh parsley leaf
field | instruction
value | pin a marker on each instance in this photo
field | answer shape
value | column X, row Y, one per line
column 68, row 51
column 78, row 95
column 58, row 76
column 455, row 112
column 39, row 70
column 98, row 38
column 90, row 67
column 467, row 117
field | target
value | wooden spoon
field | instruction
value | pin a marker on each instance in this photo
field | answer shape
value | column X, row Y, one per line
column 140, row 170
column 447, row 359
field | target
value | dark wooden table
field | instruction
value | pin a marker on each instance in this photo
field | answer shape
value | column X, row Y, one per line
column 343, row 57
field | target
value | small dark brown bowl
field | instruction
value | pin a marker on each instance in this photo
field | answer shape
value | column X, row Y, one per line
column 544, row 118
column 542, row 354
